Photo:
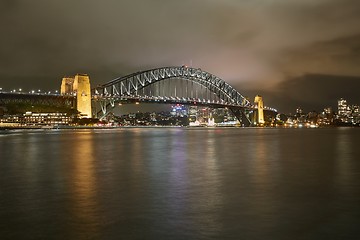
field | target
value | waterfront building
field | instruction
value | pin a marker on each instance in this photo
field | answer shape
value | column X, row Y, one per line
column 326, row 117
column 46, row 119
column 179, row 110
column 38, row 119
column 355, row 115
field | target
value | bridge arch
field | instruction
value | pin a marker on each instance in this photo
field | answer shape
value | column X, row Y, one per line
column 133, row 83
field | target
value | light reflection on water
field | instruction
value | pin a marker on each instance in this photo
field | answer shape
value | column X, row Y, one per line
column 344, row 157
column 82, row 185
column 180, row 184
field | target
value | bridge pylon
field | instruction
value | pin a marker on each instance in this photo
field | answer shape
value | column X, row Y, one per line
column 80, row 87
column 259, row 117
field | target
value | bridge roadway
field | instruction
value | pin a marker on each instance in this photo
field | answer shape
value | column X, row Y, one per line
column 68, row 100
column 37, row 99
column 176, row 100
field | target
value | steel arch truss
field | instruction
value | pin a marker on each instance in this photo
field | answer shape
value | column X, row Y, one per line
column 133, row 83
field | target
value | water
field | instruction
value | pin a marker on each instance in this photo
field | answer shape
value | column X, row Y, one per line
column 180, row 183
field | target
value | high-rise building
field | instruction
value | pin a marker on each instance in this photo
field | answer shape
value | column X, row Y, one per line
column 328, row 110
column 299, row 111
column 355, row 113
column 343, row 108
column 355, row 110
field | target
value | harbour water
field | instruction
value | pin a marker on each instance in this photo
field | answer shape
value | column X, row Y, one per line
column 180, row 183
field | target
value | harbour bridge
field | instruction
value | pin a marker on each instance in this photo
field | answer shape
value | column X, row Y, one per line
column 169, row 85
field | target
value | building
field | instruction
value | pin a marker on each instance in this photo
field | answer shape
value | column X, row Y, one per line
column 343, row 108
column 299, row 111
column 355, row 111
column 38, row 119
column 328, row 110
column 48, row 119
column 355, row 114
column 179, row 110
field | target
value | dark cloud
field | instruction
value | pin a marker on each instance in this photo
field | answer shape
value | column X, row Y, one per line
column 255, row 44
column 310, row 92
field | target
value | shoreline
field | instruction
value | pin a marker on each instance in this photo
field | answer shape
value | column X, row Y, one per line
column 9, row 128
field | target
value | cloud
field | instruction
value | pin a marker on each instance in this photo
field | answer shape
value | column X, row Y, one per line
column 259, row 43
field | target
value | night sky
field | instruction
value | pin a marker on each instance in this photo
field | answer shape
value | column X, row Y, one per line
column 294, row 53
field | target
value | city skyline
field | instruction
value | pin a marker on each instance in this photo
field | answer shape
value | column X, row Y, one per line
column 281, row 50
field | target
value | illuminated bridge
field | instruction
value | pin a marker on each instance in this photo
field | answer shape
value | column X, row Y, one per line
column 174, row 85
column 169, row 85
